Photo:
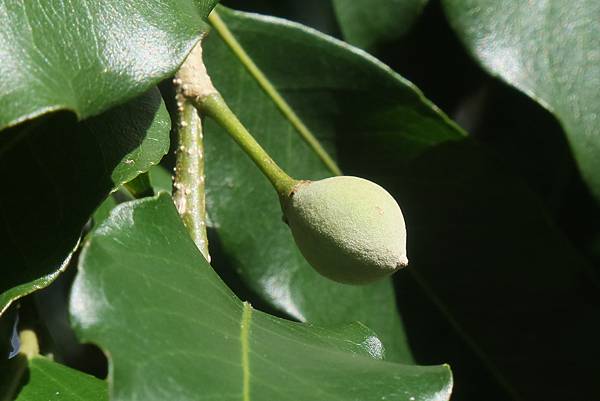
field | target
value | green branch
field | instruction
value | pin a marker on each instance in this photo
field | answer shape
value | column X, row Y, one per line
column 188, row 182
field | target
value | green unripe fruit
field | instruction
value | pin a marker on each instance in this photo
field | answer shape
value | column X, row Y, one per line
column 349, row 229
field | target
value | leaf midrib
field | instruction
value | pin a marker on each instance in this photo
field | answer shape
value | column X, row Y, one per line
column 244, row 339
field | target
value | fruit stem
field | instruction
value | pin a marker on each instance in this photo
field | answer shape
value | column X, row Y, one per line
column 29, row 343
column 215, row 107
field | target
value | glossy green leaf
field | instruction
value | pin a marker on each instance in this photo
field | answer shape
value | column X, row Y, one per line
column 548, row 50
column 103, row 211
column 491, row 258
column 89, row 55
column 58, row 171
column 369, row 23
column 160, row 179
column 51, row 381
column 173, row 330
column 328, row 83
column 40, row 379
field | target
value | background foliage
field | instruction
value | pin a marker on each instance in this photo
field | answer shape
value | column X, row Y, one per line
column 500, row 192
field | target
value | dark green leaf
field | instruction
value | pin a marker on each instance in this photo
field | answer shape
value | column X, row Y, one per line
column 40, row 379
column 160, row 179
column 51, row 381
column 173, row 330
column 368, row 23
column 476, row 235
column 549, row 50
column 328, row 83
column 89, row 55
column 483, row 244
column 102, row 212
column 56, row 172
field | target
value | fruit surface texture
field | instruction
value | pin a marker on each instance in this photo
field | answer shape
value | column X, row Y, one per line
column 349, row 229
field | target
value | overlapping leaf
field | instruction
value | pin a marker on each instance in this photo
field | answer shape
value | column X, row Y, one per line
column 507, row 276
column 548, row 50
column 476, row 234
column 39, row 379
column 89, row 55
column 173, row 330
column 85, row 57
column 335, row 89
column 369, row 23
column 55, row 172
